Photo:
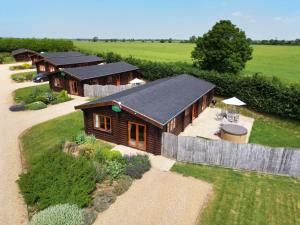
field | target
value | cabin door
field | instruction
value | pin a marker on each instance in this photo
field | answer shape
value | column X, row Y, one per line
column 195, row 111
column 137, row 135
column 204, row 102
column 73, row 87
column 118, row 80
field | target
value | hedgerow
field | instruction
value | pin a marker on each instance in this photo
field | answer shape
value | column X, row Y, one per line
column 39, row 45
column 261, row 93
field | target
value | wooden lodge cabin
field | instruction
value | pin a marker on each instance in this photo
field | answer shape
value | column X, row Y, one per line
column 54, row 61
column 73, row 79
column 23, row 54
column 137, row 117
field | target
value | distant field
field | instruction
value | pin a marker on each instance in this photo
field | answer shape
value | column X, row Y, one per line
column 280, row 61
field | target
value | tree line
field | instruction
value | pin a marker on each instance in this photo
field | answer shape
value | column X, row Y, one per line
column 35, row 44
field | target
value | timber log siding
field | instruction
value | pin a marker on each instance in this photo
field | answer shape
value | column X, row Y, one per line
column 22, row 57
column 106, row 80
column 119, row 129
column 119, row 123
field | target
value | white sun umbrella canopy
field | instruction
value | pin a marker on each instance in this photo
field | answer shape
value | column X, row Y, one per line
column 233, row 101
column 136, row 81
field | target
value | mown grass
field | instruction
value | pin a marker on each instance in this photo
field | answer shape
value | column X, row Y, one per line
column 270, row 130
column 280, row 61
column 242, row 198
column 42, row 137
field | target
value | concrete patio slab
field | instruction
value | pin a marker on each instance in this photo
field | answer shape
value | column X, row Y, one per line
column 206, row 125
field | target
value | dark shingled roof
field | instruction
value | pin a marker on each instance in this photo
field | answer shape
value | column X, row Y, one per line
column 88, row 72
column 161, row 100
column 49, row 55
column 61, row 61
column 21, row 50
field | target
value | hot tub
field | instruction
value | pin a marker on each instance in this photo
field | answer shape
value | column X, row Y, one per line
column 234, row 133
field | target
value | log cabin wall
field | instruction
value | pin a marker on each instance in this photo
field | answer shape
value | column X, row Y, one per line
column 119, row 131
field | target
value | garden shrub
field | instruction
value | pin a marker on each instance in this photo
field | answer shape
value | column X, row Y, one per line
column 122, row 184
column 137, row 165
column 36, row 105
column 261, row 93
column 62, row 214
column 106, row 154
column 17, row 107
column 60, row 97
column 114, row 169
column 58, row 178
column 80, row 138
column 22, row 77
column 87, row 149
column 101, row 171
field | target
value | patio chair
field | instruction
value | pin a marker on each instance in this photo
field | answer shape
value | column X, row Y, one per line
column 236, row 117
column 230, row 117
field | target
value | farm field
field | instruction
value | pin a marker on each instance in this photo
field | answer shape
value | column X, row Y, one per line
column 280, row 61
column 246, row 197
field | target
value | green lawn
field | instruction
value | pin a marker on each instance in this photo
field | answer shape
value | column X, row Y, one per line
column 47, row 135
column 242, row 198
column 281, row 61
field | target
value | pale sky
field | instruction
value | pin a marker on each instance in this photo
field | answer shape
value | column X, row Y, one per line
column 260, row 19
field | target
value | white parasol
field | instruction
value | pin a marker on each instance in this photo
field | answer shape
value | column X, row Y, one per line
column 233, row 101
column 136, row 81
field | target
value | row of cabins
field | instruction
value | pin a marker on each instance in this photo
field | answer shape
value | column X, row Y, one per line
column 136, row 117
column 71, row 70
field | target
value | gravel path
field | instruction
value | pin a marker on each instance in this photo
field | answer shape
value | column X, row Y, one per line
column 12, row 124
column 159, row 198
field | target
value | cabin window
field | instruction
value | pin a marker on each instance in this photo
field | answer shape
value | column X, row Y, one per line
column 171, row 125
column 51, row 68
column 42, row 68
column 58, row 82
column 102, row 122
column 109, row 79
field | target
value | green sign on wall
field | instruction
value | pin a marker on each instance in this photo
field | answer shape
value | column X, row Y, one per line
column 116, row 108
column 62, row 74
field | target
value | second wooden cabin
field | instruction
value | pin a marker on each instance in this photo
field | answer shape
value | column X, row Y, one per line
column 73, row 79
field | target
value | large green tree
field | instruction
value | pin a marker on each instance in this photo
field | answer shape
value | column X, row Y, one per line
column 224, row 48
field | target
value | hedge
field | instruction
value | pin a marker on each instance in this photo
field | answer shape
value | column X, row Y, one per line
column 39, row 45
column 261, row 93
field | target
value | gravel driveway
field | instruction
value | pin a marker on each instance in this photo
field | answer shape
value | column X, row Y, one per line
column 159, row 198
column 12, row 124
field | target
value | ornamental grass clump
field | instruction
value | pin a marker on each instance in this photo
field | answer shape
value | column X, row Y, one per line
column 62, row 214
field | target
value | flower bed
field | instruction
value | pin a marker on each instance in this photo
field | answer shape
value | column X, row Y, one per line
column 94, row 173
column 38, row 97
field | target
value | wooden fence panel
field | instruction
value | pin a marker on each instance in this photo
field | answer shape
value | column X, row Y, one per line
column 285, row 161
column 100, row 91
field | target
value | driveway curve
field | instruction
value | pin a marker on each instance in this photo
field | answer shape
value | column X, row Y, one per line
column 12, row 124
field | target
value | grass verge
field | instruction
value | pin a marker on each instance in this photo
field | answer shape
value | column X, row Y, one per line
column 246, row 197
column 44, row 136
